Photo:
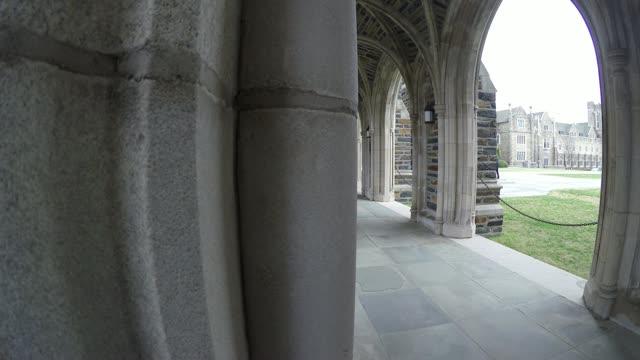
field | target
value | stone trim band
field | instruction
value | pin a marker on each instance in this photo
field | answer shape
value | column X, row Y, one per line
column 138, row 64
column 42, row 48
column 292, row 98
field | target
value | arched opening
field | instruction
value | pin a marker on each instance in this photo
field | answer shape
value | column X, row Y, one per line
column 550, row 123
column 451, row 153
column 611, row 282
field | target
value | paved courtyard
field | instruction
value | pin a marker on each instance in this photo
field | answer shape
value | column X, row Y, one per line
column 529, row 183
column 423, row 297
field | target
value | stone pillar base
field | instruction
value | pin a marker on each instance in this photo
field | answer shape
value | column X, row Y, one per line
column 431, row 224
column 599, row 301
column 458, row 231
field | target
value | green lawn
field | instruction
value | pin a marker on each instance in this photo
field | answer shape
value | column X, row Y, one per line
column 577, row 176
column 569, row 248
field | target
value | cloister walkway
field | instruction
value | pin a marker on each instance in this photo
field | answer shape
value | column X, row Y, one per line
column 422, row 297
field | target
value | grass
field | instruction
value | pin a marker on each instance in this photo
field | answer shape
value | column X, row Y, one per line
column 569, row 248
column 577, row 176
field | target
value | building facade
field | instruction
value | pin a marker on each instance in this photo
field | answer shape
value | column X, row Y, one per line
column 536, row 139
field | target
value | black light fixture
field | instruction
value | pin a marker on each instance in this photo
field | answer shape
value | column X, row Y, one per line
column 429, row 114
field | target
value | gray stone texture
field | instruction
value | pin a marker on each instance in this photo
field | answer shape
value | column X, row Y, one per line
column 320, row 59
column 120, row 227
column 490, row 222
column 289, row 256
column 296, row 177
column 402, row 310
column 507, row 334
column 440, row 342
column 61, row 287
column 378, row 278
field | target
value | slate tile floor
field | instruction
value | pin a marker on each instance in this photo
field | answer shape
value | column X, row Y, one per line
column 424, row 297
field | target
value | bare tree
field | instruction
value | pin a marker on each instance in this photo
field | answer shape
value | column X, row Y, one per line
column 570, row 151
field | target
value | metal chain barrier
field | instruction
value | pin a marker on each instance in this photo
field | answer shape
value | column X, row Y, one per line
column 533, row 217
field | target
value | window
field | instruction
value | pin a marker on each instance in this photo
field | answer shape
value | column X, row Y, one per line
column 546, row 128
column 498, row 138
column 521, row 123
column 521, row 139
column 546, row 162
column 520, row 155
column 546, row 143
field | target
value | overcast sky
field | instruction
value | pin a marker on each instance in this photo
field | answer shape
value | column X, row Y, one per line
column 539, row 53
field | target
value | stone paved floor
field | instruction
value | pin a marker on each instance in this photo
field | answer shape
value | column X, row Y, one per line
column 424, row 297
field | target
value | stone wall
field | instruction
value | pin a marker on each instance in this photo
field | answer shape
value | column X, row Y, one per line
column 431, row 196
column 403, row 178
column 489, row 213
column 403, row 143
column 118, row 228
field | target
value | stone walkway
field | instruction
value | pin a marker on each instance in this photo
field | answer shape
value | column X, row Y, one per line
column 424, row 297
column 533, row 184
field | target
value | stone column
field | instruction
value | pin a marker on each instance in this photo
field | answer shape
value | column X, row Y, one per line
column 366, row 165
column 296, row 175
column 602, row 288
column 416, row 157
column 359, row 156
column 441, row 116
column 459, row 183
column 382, row 156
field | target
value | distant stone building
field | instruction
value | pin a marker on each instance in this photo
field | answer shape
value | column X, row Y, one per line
column 535, row 139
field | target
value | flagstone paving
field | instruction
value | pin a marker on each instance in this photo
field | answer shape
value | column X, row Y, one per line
column 425, row 297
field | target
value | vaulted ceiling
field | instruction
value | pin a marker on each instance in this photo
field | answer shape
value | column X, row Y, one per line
column 406, row 31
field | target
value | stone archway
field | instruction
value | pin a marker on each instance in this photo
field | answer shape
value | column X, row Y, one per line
column 390, row 48
column 614, row 283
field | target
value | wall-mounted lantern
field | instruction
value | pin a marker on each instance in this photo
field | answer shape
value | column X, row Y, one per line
column 429, row 115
